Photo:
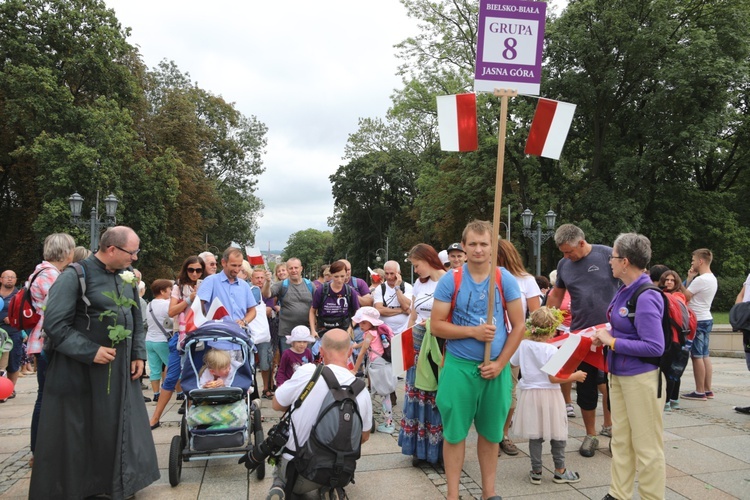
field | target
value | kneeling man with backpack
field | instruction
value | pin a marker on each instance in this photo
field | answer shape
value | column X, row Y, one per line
column 331, row 416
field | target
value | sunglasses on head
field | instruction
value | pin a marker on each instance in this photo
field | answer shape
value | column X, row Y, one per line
column 194, row 270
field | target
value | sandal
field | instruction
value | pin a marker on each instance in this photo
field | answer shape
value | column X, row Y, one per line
column 267, row 395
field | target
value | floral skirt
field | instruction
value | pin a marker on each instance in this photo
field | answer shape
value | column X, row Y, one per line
column 421, row 433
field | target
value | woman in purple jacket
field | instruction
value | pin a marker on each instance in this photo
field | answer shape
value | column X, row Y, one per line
column 637, row 427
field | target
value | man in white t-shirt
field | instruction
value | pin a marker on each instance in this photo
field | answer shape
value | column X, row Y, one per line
column 336, row 351
column 701, row 288
column 392, row 299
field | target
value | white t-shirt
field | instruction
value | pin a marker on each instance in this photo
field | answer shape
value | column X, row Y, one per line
column 529, row 289
column 305, row 416
column 531, row 356
column 703, row 288
column 422, row 298
column 746, row 297
column 160, row 307
column 397, row 322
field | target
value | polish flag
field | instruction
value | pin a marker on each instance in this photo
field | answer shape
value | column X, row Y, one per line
column 549, row 128
column 254, row 256
column 195, row 317
column 573, row 348
column 403, row 356
column 457, row 122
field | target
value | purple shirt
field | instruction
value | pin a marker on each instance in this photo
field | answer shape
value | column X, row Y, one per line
column 289, row 363
column 642, row 337
column 360, row 286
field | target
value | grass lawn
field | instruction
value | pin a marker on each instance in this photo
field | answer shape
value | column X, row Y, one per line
column 720, row 318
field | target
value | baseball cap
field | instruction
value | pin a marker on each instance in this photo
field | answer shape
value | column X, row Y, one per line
column 455, row 246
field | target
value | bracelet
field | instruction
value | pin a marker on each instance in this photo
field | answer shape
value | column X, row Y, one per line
column 613, row 345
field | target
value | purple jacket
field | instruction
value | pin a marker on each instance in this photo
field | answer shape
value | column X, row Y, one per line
column 644, row 339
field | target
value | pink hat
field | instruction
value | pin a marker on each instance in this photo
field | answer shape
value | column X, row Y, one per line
column 369, row 314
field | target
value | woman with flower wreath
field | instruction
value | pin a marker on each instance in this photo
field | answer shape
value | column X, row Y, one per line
column 92, row 437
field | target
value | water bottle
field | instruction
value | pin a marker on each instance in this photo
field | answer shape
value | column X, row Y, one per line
column 384, row 340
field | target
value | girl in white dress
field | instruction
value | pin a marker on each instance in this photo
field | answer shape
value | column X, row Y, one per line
column 540, row 414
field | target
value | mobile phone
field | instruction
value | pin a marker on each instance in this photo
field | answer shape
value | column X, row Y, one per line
column 198, row 283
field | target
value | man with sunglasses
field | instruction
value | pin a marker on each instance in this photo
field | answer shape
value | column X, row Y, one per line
column 93, row 437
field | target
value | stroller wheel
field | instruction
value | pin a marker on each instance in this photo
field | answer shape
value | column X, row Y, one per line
column 260, row 472
column 175, row 461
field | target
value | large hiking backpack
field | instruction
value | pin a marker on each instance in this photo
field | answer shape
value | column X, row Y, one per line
column 21, row 312
column 330, row 322
column 329, row 457
column 679, row 324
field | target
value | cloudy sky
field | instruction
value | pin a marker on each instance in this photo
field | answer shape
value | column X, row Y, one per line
column 308, row 70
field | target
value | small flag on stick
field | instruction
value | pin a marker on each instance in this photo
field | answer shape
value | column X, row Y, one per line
column 254, row 256
column 457, row 122
column 403, row 356
column 574, row 348
column 549, row 128
column 195, row 317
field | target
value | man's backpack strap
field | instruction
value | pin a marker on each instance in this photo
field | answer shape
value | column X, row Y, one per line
column 285, row 288
column 81, row 272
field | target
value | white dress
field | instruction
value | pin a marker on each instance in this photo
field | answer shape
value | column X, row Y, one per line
column 540, row 412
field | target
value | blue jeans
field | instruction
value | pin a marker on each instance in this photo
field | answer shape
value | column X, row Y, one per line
column 700, row 343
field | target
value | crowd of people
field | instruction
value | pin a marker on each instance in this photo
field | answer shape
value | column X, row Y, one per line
column 90, row 382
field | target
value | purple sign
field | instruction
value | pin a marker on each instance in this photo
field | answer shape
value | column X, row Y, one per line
column 509, row 46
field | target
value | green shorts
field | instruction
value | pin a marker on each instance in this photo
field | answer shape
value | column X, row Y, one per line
column 464, row 397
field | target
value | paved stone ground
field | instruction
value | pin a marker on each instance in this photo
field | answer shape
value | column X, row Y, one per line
column 707, row 448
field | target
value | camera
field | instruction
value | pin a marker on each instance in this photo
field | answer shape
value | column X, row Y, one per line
column 271, row 446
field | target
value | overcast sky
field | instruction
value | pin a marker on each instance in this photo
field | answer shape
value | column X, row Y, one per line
column 308, row 70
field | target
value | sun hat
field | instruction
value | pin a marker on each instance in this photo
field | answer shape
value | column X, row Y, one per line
column 300, row 333
column 369, row 314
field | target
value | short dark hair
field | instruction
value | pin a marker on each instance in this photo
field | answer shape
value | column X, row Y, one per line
column 161, row 284
column 656, row 271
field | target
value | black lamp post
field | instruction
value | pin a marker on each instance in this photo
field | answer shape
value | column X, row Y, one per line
column 537, row 236
column 95, row 225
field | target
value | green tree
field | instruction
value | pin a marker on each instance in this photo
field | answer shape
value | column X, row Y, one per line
column 312, row 247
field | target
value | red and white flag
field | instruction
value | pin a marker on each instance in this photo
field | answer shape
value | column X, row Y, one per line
column 403, row 356
column 457, row 122
column 574, row 348
column 254, row 256
column 549, row 128
column 195, row 317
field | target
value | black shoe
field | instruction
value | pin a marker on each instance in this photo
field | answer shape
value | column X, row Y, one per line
column 181, row 410
column 394, row 398
column 608, row 497
column 742, row 409
column 146, row 399
column 180, row 396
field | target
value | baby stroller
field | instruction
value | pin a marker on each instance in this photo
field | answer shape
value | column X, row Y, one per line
column 220, row 422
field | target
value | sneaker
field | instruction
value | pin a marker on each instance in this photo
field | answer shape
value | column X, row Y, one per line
column 571, row 411
column 742, row 409
column 156, row 397
column 675, row 404
column 535, row 477
column 180, row 396
column 697, row 396
column 566, row 477
column 710, row 394
column 589, row 446
column 276, row 493
column 606, row 431
column 385, row 428
column 667, row 406
column 508, row 447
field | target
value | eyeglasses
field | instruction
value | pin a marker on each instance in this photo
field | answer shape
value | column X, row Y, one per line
column 194, row 270
column 132, row 254
column 616, row 257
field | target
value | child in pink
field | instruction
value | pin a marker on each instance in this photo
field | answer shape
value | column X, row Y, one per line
column 297, row 355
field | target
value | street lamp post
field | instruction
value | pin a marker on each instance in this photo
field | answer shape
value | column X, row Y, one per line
column 95, row 225
column 380, row 255
column 537, row 236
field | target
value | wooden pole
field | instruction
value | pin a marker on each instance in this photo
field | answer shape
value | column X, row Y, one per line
column 503, row 94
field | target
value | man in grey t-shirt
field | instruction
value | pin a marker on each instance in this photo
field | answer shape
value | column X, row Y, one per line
column 295, row 302
column 585, row 273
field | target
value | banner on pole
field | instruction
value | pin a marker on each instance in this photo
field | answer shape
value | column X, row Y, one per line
column 457, row 122
column 509, row 46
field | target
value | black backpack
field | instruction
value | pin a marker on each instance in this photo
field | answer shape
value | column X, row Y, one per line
column 674, row 359
column 326, row 323
column 329, row 457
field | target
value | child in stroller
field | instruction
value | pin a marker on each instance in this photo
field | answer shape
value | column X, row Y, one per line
column 218, row 369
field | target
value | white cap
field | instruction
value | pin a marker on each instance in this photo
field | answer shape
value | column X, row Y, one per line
column 443, row 255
